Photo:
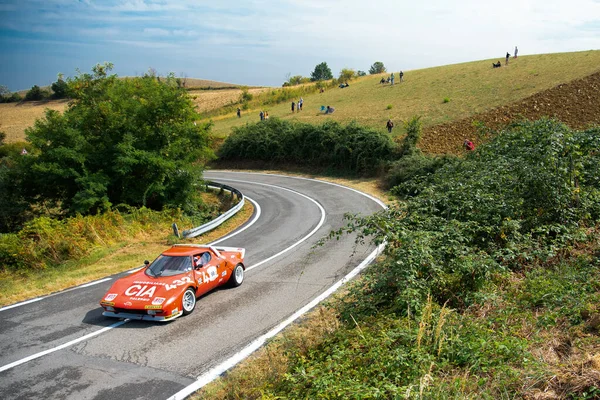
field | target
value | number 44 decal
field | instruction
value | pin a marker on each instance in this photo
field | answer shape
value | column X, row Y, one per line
column 208, row 276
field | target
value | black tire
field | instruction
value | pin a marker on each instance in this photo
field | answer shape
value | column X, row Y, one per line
column 237, row 276
column 188, row 301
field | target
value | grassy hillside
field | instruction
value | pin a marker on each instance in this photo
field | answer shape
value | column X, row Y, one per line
column 469, row 88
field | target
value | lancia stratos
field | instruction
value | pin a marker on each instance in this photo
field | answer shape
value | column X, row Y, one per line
column 169, row 286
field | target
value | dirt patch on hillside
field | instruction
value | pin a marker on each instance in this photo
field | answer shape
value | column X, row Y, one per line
column 577, row 104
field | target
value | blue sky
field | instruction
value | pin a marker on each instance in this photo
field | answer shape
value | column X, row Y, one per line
column 258, row 42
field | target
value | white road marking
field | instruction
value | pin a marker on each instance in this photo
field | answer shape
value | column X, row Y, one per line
column 21, row 303
column 214, row 372
column 321, row 221
column 258, row 212
column 53, row 294
column 94, row 283
column 62, row 346
column 375, row 199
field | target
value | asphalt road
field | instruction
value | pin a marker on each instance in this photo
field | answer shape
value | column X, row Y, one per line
column 150, row 360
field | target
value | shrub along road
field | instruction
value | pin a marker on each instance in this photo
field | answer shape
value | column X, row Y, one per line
column 154, row 361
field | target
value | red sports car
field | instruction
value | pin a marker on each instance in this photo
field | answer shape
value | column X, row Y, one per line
column 168, row 287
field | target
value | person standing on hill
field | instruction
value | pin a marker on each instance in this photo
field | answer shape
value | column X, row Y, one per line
column 401, row 76
column 468, row 145
column 239, row 113
column 507, row 57
column 261, row 115
column 389, row 125
column 293, row 106
column 300, row 103
column 516, row 51
column 392, row 79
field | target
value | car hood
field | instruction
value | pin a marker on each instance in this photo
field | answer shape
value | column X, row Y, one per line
column 139, row 290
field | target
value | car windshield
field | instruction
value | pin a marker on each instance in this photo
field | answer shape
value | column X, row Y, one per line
column 169, row 265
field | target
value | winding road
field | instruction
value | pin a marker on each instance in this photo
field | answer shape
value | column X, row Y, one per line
column 61, row 347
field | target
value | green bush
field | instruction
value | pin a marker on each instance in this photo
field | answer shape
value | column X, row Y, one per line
column 416, row 168
column 45, row 242
column 446, row 100
column 349, row 148
column 121, row 141
column 60, row 89
column 389, row 107
column 36, row 94
column 516, row 199
column 346, row 74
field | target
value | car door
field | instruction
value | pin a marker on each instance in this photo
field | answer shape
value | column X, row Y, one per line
column 208, row 273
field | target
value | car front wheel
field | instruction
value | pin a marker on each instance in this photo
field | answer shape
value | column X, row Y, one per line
column 237, row 277
column 188, row 301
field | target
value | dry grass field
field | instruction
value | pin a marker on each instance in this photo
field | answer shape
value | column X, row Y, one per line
column 208, row 100
column 16, row 117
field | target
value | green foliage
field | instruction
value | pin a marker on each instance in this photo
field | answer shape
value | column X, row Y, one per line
column 389, row 107
column 13, row 207
column 7, row 97
column 416, row 168
column 522, row 202
column 321, row 72
column 4, row 94
column 377, row 68
column 46, row 242
column 13, row 98
column 245, row 96
column 296, row 80
column 60, row 89
column 361, row 73
column 120, row 141
column 350, row 148
column 347, row 74
column 35, row 94
column 446, row 100
column 498, row 208
column 413, row 129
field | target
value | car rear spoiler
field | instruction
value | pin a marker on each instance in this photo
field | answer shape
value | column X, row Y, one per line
column 216, row 249
column 240, row 250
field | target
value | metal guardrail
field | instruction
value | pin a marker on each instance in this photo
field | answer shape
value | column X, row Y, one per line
column 199, row 230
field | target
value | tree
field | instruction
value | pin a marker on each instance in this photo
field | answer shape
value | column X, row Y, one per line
column 377, row 68
column 120, row 141
column 347, row 74
column 60, row 88
column 321, row 72
column 4, row 94
column 34, row 94
column 361, row 73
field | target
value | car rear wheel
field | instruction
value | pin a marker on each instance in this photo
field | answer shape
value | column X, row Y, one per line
column 237, row 277
column 188, row 301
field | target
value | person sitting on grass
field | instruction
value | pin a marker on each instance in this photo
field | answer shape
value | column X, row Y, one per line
column 329, row 110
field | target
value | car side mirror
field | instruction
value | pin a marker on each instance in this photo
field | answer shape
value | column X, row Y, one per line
column 146, row 263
